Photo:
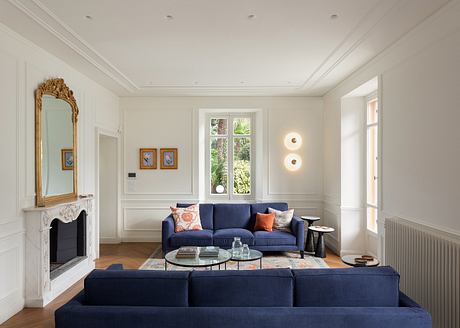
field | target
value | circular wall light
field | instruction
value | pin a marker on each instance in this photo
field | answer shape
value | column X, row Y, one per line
column 293, row 162
column 293, row 141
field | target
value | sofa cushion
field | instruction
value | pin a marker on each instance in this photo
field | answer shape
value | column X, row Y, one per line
column 352, row 287
column 206, row 214
column 232, row 216
column 263, row 208
column 137, row 288
column 191, row 238
column 255, row 288
column 274, row 238
column 224, row 237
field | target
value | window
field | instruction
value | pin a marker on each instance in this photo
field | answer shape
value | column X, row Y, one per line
column 229, row 157
column 372, row 179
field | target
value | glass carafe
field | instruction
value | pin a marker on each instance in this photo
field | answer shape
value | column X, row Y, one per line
column 237, row 246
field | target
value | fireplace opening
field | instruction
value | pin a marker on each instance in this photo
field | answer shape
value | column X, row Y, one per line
column 67, row 244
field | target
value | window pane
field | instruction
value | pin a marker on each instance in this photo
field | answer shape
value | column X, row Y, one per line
column 242, row 166
column 372, row 169
column 372, row 111
column 372, row 219
column 242, row 126
column 218, row 127
column 219, row 169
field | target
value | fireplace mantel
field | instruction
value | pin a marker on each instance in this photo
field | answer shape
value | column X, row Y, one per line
column 40, row 289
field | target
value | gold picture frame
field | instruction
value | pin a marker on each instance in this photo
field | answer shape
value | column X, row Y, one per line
column 57, row 88
column 168, row 159
column 67, row 160
column 148, row 158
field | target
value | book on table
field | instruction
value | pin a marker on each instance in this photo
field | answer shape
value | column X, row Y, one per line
column 209, row 251
column 188, row 252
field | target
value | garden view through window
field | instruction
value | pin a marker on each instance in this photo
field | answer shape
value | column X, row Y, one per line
column 230, row 155
column 372, row 164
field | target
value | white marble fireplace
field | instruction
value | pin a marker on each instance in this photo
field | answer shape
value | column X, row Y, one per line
column 40, row 288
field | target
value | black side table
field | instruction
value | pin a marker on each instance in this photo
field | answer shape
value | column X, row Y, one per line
column 320, row 247
column 310, row 241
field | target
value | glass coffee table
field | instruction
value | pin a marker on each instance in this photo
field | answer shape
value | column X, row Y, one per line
column 253, row 255
column 197, row 262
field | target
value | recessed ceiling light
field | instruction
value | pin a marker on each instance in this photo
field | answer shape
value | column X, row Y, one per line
column 334, row 16
column 252, row 16
column 88, row 17
column 169, row 17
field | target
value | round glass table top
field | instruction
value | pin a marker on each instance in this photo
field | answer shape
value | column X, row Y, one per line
column 252, row 256
column 224, row 256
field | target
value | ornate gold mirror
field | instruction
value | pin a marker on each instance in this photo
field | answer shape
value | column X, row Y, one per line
column 56, row 115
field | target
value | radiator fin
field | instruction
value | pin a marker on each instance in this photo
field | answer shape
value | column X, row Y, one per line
column 428, row 261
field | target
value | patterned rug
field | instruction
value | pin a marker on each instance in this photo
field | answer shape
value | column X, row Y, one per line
column 270, row 260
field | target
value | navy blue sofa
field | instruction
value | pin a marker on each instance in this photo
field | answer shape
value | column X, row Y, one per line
column 222, row 222
column 273, row 298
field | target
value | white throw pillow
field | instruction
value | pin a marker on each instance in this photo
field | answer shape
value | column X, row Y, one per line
column 282, row 219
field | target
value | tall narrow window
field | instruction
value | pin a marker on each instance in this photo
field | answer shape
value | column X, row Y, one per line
column 230, row 156
column 372, row 163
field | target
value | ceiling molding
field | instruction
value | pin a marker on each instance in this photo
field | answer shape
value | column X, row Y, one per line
column 341, row 52
column 105, row 67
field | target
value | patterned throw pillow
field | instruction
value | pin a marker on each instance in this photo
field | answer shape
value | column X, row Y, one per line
column 186, row 219
column 282, row 219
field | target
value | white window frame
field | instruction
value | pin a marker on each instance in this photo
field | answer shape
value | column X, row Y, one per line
column 371, row 97
column 230, row 116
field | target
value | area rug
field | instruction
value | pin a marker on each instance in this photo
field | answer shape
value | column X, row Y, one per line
column 270, row 260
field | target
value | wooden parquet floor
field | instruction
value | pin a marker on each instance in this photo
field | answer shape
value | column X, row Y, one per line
column 131, row 255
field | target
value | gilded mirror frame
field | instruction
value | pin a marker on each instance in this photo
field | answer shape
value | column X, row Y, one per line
column 58, row 89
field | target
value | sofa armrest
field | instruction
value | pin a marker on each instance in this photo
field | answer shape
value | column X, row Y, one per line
column 167, row 229
column 406, row 301
column 116, row 266
column 298, row 229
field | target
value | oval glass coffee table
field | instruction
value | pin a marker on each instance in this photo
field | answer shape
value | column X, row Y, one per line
column 197, row 262
column 253, row 255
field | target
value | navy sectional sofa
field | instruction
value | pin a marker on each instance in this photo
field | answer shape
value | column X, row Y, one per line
column 273, row 298
column 222, row 222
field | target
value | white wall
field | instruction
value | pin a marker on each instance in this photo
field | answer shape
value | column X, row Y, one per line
column 108, row 189
column 352, row 176
column 158, row 122
column 23, row 67
column 420, row 115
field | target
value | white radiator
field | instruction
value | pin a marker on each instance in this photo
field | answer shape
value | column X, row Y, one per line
column 428, row 261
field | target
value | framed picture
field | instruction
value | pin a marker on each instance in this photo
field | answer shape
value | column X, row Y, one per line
column 168, row 158
column 67, row 159
column 148, row 158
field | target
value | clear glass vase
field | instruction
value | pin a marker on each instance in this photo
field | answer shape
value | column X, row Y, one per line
column 237, row 246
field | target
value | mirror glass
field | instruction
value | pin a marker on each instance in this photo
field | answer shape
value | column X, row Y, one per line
column 56, row 147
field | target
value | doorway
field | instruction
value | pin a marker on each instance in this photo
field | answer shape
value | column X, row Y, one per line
column 108, row 189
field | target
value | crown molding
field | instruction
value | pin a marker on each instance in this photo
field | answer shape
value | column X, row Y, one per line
column 51, row 23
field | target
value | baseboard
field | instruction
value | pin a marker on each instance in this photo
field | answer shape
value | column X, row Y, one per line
column 109, row 240
column 140, row 240
column 10, row 305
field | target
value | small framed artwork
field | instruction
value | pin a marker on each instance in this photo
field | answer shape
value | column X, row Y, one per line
column 67, row 159
column 168, row 158
column 148, row 158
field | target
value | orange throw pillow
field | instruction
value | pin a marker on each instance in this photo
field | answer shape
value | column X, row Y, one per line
column 264, row 222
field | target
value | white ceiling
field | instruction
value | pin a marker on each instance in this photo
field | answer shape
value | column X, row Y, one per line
column 211, row 47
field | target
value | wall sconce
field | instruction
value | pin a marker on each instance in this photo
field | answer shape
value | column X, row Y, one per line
column 293, row 141
column 293, row 162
